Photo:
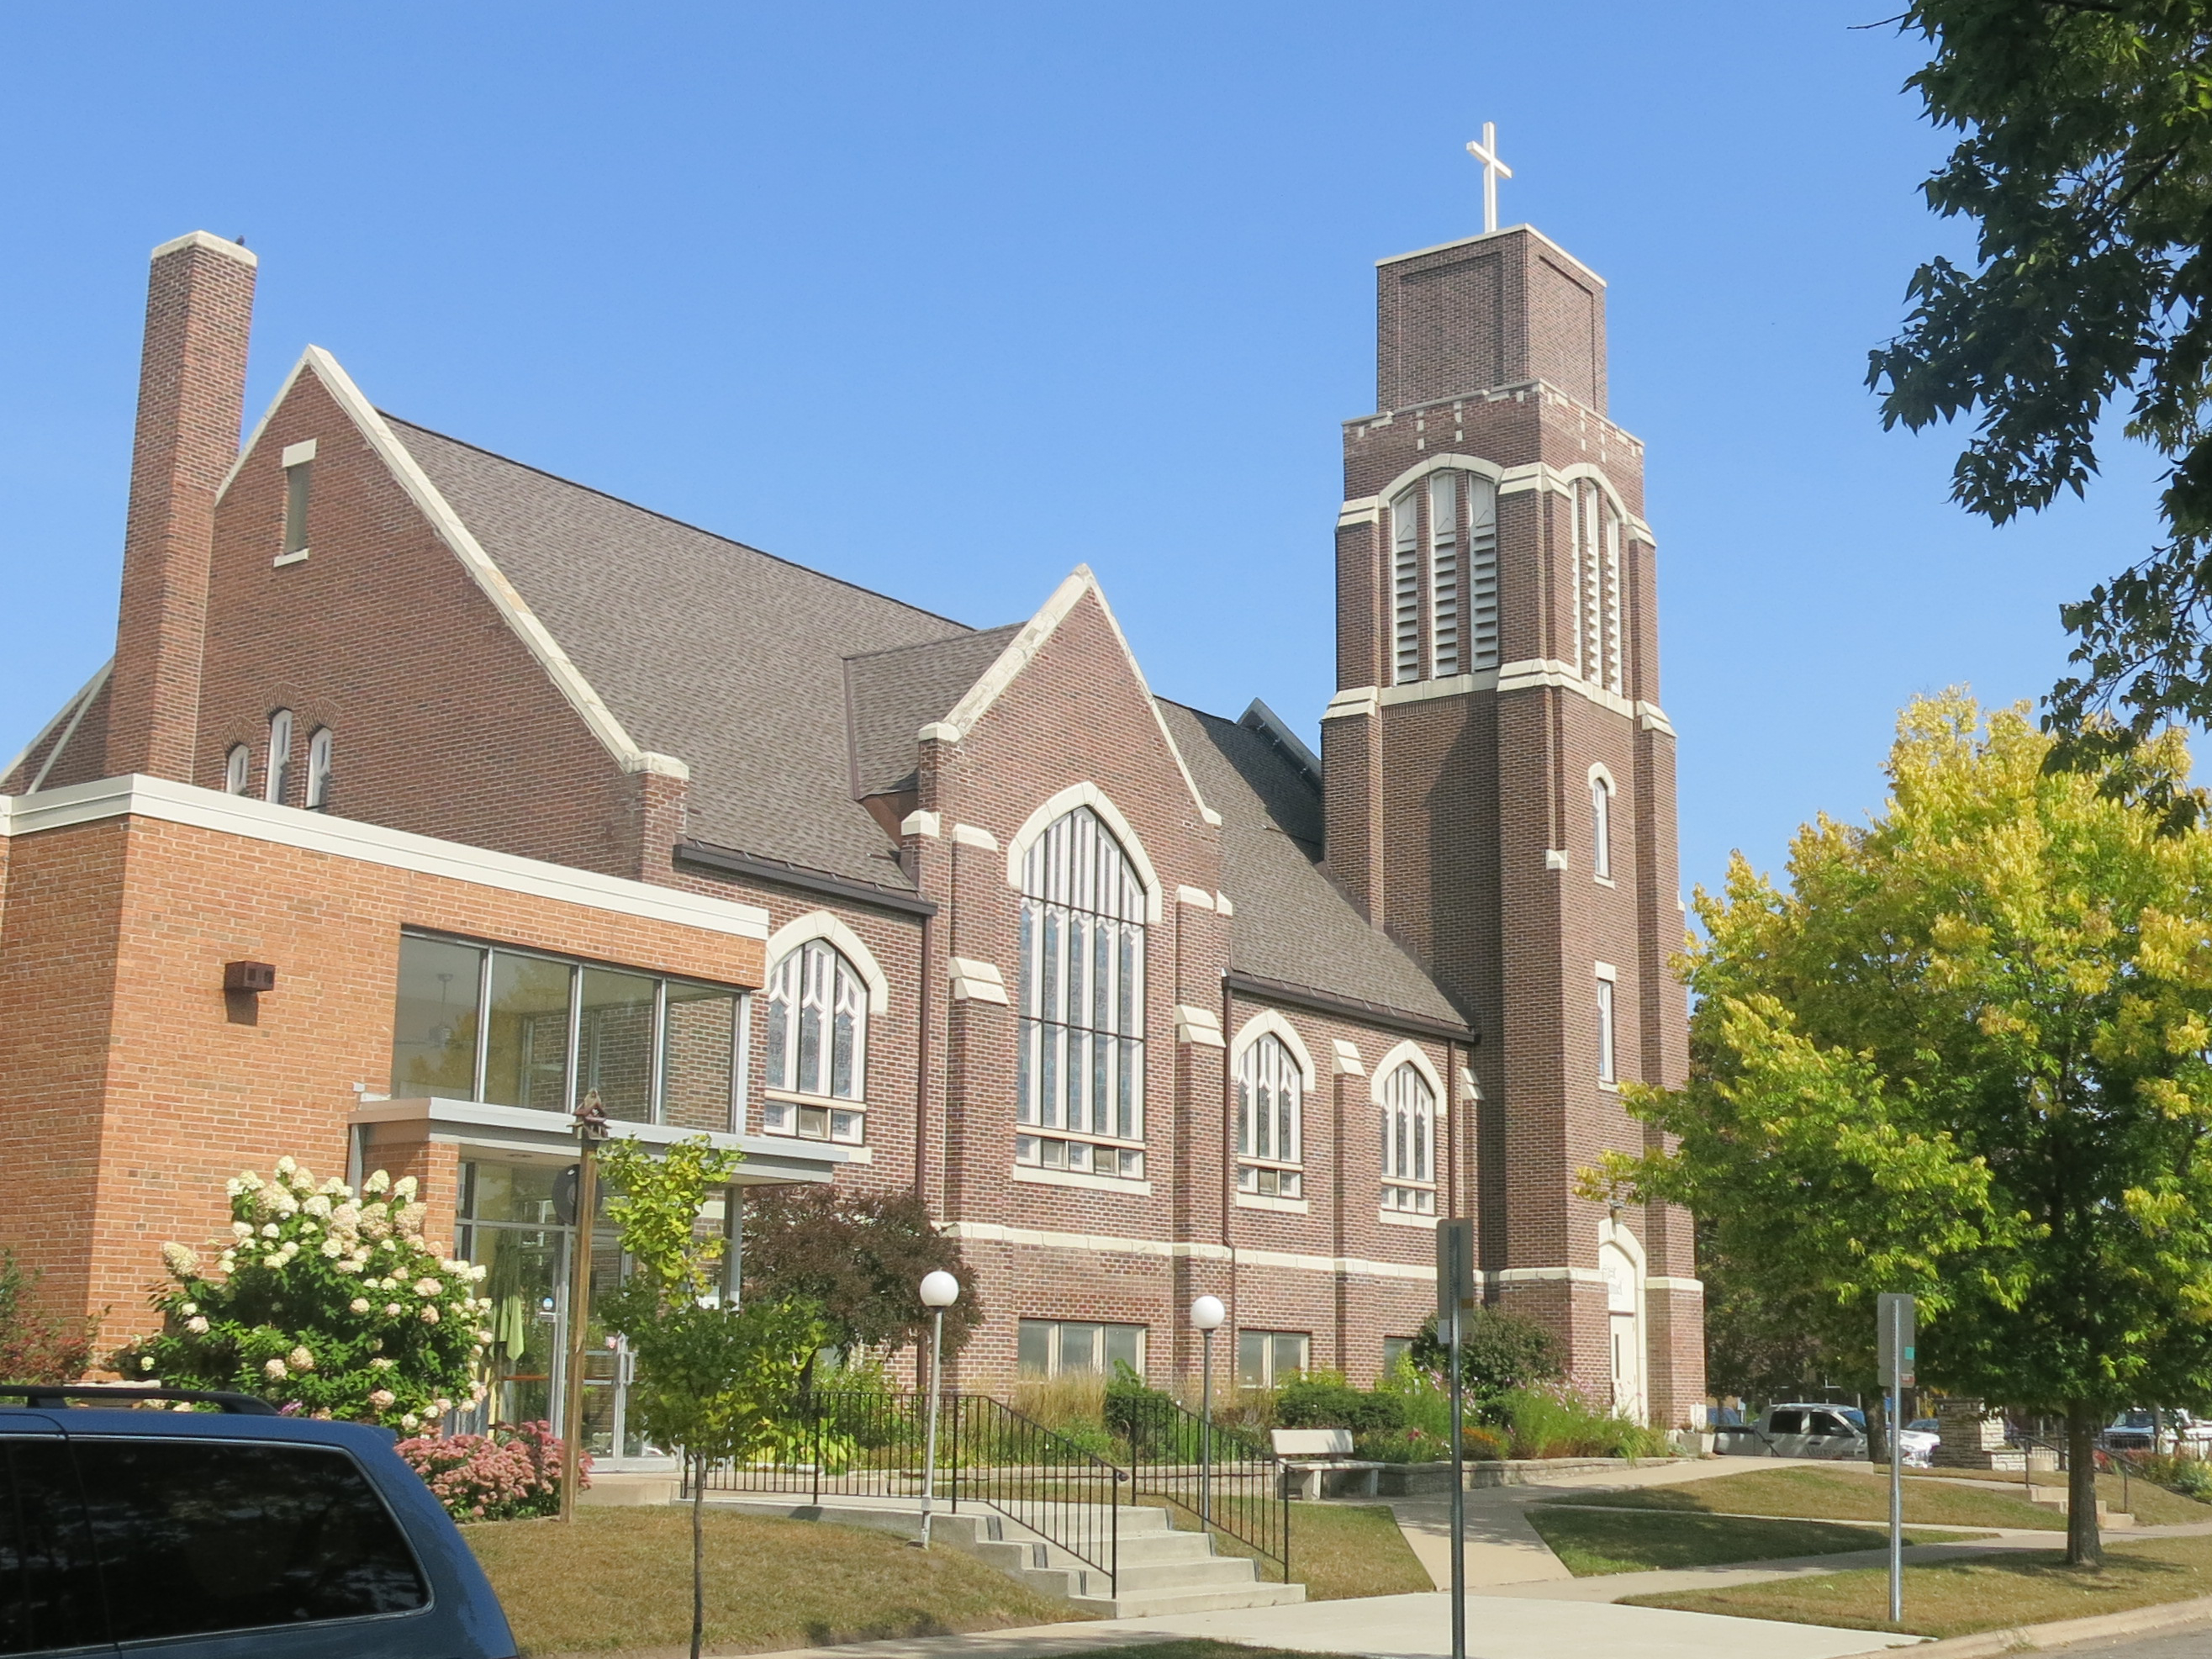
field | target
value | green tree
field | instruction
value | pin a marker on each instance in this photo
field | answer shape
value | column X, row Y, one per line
column 861, row 1260
column 324, row 1300
column 1964, row 1054
column 1498, row 1352
column 1761, row 1340
column 2085, row 164
column 715, row 1381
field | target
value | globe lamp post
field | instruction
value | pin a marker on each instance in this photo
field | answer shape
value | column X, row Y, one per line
column 939, row 1291
column 1206, row 1315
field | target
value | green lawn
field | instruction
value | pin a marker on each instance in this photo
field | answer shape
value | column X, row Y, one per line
column 623, row 1579
column 1984, row 1592
column 1337, row 1550
column 1833, row 1495
column 1592, row 1542
column 2151, row 1505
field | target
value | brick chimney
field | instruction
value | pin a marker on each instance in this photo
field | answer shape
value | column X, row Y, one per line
column 192, row 397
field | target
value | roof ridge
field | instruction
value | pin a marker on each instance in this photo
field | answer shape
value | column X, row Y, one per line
column 681, row 524
column 927, row 645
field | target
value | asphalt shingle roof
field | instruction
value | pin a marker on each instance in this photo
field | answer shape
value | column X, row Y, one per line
column 893, row 694
column 728, row 658
column 1292, row 924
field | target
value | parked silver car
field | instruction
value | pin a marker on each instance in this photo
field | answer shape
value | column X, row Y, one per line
column 1796, row 1429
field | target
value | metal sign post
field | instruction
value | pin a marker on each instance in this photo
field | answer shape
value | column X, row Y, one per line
column 1894, row 1314
column 1455, row 1291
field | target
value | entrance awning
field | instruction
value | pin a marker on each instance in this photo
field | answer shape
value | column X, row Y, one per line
column 472, row 1124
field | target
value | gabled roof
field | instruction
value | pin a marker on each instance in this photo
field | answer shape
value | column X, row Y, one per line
column 70, row 748
column 1293, row 925
column 725, row 657
column 891, row 694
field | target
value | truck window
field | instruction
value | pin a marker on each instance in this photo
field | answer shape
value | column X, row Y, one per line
column 48, row 1581
column 224, row 1534
column 1827, row 1423
column 1786, row 1422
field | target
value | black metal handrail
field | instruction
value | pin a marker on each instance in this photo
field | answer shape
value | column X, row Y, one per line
column 874, row 1445
column 1240, row 1492
column 1066, row 1495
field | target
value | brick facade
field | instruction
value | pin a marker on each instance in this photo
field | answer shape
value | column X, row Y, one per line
column 459, row 720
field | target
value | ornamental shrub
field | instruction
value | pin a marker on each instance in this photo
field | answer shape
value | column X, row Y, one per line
column 1553, row 1420
column 35, row 1346
column 322, row 1302
column 1323, row 1399
column 512, row 1474
column 1498, row 1353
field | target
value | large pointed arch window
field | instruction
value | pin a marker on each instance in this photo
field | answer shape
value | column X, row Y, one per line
column 1080, row 1067
column 1409, row 1113
column 1270, row 1103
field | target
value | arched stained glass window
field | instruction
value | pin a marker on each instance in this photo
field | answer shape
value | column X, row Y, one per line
column 1080, row 1068
column 818, row 1024
column 1409, row 1110
column 1270, row 1105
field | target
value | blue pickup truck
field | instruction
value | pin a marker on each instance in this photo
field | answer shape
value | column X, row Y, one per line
column 224, row 1531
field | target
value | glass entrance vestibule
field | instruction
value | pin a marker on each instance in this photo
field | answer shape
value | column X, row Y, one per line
column 517, row 1221
column 493, row 1046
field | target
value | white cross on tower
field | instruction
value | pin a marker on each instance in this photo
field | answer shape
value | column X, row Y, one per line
column 1492, row 169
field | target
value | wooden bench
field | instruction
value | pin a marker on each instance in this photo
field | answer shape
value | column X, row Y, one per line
column 1307, row 1454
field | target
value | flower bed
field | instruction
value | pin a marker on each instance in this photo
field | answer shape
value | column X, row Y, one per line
column 512, row 1474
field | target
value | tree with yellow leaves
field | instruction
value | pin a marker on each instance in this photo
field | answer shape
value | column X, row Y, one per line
column 1964, row 1053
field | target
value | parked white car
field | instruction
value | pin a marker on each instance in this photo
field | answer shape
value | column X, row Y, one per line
column 1797, row 1428
column 2134, row 1430
column 1919, row 1439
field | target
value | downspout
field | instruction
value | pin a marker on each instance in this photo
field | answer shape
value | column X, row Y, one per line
column 921, row 1077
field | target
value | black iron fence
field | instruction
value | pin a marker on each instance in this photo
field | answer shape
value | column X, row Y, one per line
column 874, row 1445
column 1238, row 1492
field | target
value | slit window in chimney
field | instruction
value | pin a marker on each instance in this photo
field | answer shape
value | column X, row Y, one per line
column 299, row 467
column 280, row 756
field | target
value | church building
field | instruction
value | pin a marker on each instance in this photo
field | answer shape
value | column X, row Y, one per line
column 428, row 793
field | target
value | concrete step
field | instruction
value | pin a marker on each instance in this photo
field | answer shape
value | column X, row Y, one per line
column 1163, row 1570
column 1144, row 1607
column 1213, row 1572
column 1164, row 1546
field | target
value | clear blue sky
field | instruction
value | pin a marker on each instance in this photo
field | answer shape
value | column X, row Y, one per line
column 947, row 299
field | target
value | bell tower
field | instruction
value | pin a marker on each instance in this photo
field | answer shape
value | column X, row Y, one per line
column 1500, row 776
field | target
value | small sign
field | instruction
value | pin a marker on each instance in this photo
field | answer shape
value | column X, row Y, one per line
column 1456, row 1285
column 1895, row 1316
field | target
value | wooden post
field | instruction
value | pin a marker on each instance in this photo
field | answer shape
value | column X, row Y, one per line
column 590, row 1130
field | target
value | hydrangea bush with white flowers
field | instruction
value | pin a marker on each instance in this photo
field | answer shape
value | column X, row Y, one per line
column 326, row 1301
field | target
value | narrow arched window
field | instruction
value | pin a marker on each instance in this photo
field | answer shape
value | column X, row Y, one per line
column 1606, row 1073
column 1406, row 587
column 1270, row 1105
column 1601, row 826
column 1409, row 1111
column 1079, row 1068
column 817, row 1025
column 237, row 770
column 1597, row 588
column 318, row 770
column 278, row 778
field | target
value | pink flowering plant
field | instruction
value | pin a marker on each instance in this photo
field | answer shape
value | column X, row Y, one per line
column 325, row 1302
column 510, row 1474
